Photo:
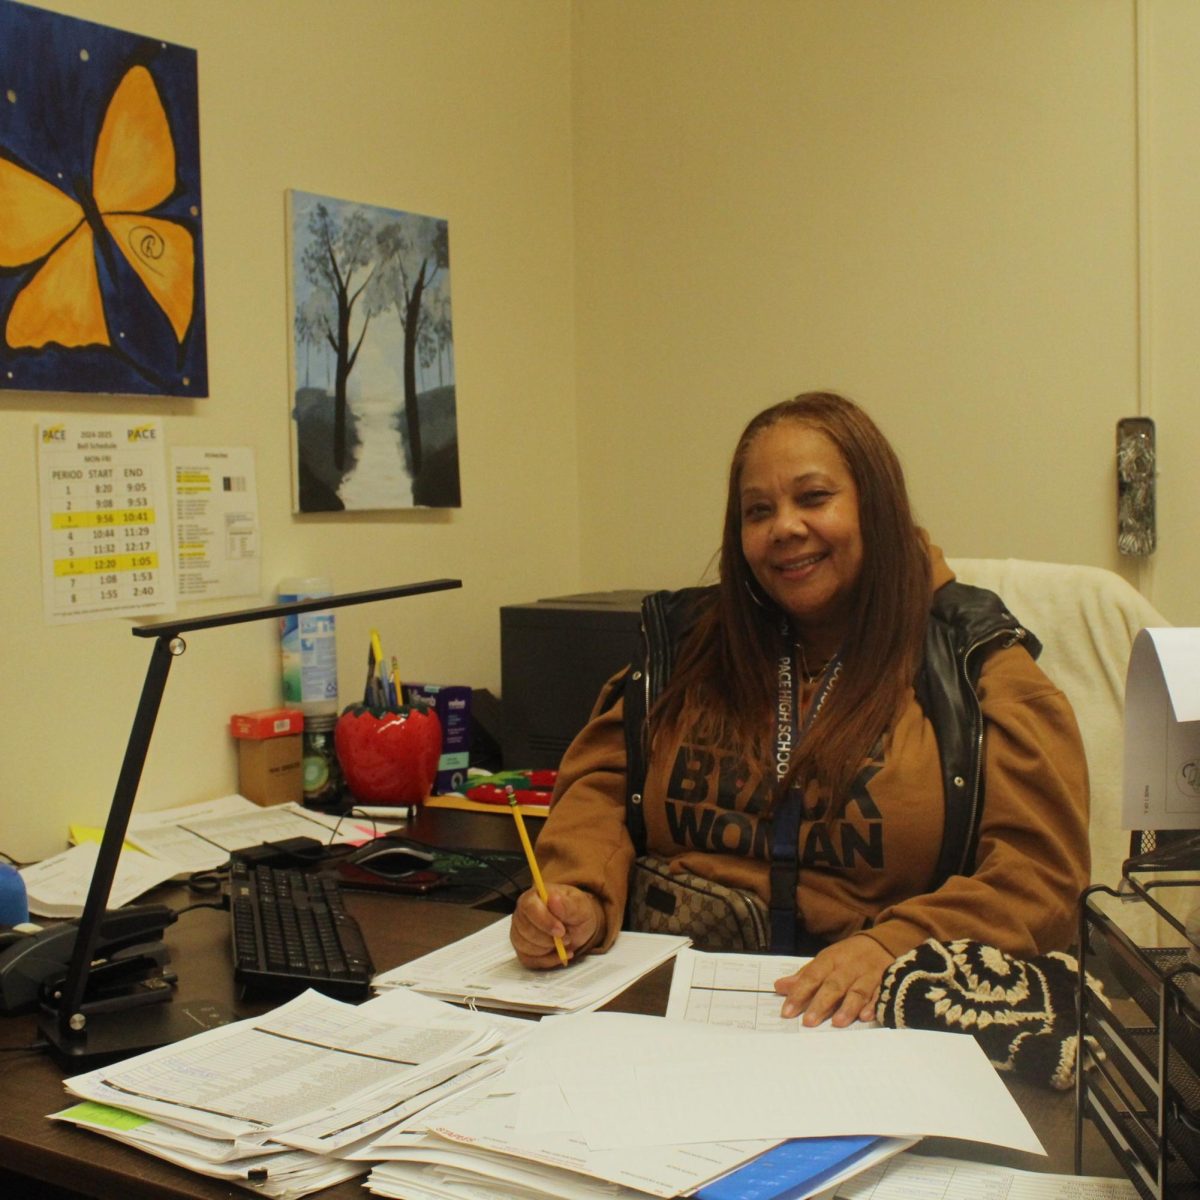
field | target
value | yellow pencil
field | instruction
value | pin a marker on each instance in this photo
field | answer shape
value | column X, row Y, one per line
column 538, row 882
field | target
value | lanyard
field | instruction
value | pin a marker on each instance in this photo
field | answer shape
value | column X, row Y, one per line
column 785, row 822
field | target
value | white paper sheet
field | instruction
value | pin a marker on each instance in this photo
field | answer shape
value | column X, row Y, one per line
column 105, row 518
column 917, row 1177
column 200, row 837
column 482, row 968
column 737, row 990
column 58, row 886
column 217, row 550
column 630, row 1080
column 1162, row 731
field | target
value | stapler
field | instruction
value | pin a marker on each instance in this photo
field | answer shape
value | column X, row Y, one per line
column 128, row 965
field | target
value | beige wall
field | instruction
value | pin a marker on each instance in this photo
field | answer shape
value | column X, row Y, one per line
column 928, row 205
column 664, row 214
column 1171, row 36
column 460, row 110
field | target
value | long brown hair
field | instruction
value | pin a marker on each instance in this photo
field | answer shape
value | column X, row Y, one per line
column 724, row 684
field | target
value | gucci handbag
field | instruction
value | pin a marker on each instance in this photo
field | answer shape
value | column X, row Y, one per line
column 714, row 916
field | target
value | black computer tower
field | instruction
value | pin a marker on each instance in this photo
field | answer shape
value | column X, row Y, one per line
column 555, row 655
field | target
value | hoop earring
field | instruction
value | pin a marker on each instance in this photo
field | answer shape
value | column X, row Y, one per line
column 752, row 590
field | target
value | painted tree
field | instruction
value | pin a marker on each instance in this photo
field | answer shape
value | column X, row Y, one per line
column 309, row 329
column 338, row 263
column 411, row 253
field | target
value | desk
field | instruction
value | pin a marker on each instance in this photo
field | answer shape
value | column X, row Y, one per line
column 397, row 929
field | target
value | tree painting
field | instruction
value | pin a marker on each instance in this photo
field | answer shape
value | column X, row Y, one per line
column 374, row 415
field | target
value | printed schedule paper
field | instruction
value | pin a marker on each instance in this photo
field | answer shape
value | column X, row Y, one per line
column 216, row 521
column 105, row 518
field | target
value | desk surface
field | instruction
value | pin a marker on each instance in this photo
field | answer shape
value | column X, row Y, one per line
column 397, row 929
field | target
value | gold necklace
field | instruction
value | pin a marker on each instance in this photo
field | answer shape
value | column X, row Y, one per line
column 811, row 676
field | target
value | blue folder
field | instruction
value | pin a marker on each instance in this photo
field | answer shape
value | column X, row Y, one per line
column 788, row 1170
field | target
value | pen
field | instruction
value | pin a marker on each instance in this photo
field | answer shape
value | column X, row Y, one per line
column 378, row 681
column 538, row 882
column 369, row 689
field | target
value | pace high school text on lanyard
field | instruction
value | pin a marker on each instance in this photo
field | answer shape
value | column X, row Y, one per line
column 785, row 825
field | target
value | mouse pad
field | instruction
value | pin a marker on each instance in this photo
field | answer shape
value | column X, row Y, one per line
column 480, row 878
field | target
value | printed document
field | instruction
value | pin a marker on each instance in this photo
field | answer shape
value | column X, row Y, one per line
column 483, row 969
column 217, row 550
column 58, row 886
column 199, row 837
column 737, row 990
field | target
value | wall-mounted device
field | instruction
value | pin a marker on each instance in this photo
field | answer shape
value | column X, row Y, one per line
column 1136, row 466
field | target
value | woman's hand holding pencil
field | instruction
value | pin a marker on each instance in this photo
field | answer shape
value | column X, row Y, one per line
column 551, row 922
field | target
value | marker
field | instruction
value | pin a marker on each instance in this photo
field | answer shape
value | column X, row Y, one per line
column 538, row 882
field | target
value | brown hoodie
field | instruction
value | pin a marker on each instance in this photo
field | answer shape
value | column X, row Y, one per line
column 870, row 869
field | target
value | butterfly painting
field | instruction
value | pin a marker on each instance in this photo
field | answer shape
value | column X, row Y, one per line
column 101, row 282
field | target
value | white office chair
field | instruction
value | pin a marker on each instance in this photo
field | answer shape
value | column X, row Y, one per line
column 1086, row 619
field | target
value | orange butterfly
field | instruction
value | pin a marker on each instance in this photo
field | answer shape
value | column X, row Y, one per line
column 133, row 171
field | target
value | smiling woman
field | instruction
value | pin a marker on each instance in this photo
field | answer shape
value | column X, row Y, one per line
column 801, row 536
column 861, row 744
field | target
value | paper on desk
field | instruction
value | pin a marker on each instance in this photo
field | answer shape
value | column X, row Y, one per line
column 310, row 1061
column 737, row 990
column 632, row 1081
column 483, row 969
column 287, row 1173
column 1162, row 731
column 489, row 1125
column 201, row 837
column 58, row 886
column 917, row 1177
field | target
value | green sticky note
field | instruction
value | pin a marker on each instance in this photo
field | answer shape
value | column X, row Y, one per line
column 106, row 1116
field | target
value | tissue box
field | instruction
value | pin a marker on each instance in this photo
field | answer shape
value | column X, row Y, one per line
column 267, row 723
column 452, row 703
column 269, row 752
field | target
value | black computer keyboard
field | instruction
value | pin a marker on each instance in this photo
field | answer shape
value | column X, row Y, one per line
column 291, row 932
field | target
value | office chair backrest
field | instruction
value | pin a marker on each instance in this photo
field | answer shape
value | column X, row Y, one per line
column 1086, row 619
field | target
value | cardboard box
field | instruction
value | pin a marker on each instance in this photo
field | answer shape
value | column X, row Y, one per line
column 269, row 769
column 267, row 723
column 452, row 703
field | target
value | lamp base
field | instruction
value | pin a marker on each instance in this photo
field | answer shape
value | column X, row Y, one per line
column 110, row 1036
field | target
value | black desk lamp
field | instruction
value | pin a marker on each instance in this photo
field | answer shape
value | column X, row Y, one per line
column 80, row 1033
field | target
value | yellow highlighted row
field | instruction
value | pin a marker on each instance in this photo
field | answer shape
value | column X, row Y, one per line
column 93, row 520
column 106, row 562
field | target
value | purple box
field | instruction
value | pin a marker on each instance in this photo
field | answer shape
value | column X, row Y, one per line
column 452, row 703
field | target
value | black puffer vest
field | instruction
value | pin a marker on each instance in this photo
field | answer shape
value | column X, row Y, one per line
column 965, row 624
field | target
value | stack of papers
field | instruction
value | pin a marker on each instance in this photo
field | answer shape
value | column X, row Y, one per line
column 594, row 1101
column 439, row 1102
column 277, row 1103
column 481, row 970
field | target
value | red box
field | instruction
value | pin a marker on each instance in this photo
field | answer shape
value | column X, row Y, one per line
column 267, row 723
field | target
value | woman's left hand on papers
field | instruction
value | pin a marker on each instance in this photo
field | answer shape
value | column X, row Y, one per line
column 842, row 983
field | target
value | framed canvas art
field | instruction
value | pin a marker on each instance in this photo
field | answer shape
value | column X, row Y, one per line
column 101, row 259
column 374, row 418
